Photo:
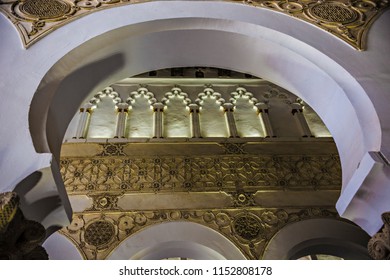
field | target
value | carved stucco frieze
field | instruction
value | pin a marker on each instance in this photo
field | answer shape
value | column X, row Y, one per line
column 349, row 20
column 96, row 235
column 229, row 173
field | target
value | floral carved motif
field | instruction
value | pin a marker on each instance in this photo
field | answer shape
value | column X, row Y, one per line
column 104, row 201
column 248, row 226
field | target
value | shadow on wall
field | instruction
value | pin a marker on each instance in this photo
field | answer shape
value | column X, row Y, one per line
column 50, row 116
column 43, row 201
column 34, row 205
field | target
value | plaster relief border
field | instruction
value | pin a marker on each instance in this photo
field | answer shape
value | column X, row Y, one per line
column 97, row 235
column 348, row 20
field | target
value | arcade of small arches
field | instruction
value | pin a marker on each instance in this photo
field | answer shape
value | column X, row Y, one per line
column 196, row 167
column 186, row 198
column 268, row 111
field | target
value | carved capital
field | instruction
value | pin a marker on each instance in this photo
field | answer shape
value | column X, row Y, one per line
column 379, row 244
column 9, row 203
column 20, row 239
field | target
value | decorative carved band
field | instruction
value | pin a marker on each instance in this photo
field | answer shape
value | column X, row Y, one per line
column 199, row 173
column 348, row 20
column 97, row 234
column 379, row 245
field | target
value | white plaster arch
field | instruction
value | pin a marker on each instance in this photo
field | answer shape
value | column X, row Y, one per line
column 305, row 60
column 318, row 236
column 177, row 239
column 59, row 247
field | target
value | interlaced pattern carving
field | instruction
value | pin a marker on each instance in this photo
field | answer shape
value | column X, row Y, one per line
column 250, row 229
column 199, row 173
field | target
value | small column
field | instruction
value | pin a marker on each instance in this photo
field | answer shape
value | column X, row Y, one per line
column 229, row 109
column 262, row 111
column 195, row 124
column 123, row 110
column 297, row 111
column 85, row 115
column 379, row 244
column 158, row 109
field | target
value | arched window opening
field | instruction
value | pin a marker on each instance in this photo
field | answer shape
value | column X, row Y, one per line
column 245, row 114
column 103, row 117
column 176, row 117
column 140, row 117
column 212, row 119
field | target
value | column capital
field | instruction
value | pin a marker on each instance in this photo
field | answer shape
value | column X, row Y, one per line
column 21, row 238
column 193, row 108
column 228, row 107
column 122, row 107
column 261, row 106
column 379, row 244
column 9, row 203
column 296, row 107
column 158, row 106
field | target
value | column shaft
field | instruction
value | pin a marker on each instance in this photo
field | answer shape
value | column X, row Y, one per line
column 158, row 109
column 297, row 111
column 85, row 115
column 123, row 109
column 195, row 123
column 229, row 108
column 262, row 110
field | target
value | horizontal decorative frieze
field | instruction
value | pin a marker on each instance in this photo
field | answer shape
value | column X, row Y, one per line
column 97, row 235
column 129, row 174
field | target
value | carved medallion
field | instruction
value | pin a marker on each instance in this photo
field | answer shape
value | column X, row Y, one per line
column 333, row 12
column 45, row 9
column 112, row 150
column 248, row 226
column 249, row 229
column 99, row 233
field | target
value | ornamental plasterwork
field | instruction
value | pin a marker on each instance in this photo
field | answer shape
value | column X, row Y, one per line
column 349, row 20
column 210, row 173
column 97, row 234
column 108, row 91
column 379, row 244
